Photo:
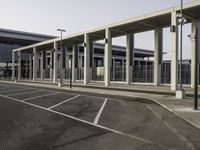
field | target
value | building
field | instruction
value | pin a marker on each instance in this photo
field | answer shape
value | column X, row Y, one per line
column 11, row 39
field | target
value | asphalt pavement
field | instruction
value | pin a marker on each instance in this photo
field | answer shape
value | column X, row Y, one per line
column 36, row 118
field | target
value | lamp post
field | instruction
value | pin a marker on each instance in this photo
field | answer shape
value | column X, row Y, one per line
column 181, row 20
column 194, row 38
column 181, row 43
column 70, row 82
column 62, row 55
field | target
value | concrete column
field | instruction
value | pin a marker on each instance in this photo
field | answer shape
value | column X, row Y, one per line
column 91, row 59
column 13, row 65
column 195, row 25
column 62, row 65
column 67, row 63
column 113, row 69
column 51, row 65
column 59, row 61
column 129, row 57
column 44, row 63
column 81, row 62
column 19, row 65
column 26, row 67
column 123, row 69
column 41, row 66
column 55, row 71
column 77, row 66
column 77, row 57
column 74, row 69
column 34, row 63
column 174, row 52
column 86, row 58
column 30, row 66
column 107, row 56
column 158, row 38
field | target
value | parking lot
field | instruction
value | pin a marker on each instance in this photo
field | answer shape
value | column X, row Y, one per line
column 35, row 118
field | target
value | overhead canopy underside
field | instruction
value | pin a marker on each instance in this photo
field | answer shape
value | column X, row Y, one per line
column 143, row 23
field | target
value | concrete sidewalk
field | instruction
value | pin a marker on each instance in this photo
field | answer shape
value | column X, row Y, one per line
column 162, row 95
column 138, row 88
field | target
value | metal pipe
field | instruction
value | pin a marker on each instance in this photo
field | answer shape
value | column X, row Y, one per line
column 61, row 58
column 181, row 43
column 70, row 85
column 196, row 73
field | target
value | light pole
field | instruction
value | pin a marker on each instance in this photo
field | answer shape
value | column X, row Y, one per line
column 181, row 43
column 181, row 20
column 70, row 82
column 61, row 58
column 194, row 38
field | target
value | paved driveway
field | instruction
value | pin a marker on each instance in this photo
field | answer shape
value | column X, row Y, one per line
column 43, row 119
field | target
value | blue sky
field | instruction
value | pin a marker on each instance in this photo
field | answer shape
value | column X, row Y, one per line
column 45, row 16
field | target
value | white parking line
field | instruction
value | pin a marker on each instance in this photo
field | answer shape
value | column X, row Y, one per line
column 39, row 96
column 63, row 102
column 29, row 92
column 103, row 98
column 89, row 123
column 100, row 111
column 67, row 92
column 182, row 138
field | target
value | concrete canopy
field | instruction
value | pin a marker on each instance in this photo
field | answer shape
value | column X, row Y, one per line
column 142, row 23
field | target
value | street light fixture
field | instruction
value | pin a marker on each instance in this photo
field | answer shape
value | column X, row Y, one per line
column 60, row 84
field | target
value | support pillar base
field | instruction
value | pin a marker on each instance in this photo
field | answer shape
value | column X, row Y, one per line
column 180, row 94
column 60, row 84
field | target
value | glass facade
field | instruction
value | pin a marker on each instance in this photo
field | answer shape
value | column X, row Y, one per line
column 6, row 52
column 9, row 40
column 6, row 59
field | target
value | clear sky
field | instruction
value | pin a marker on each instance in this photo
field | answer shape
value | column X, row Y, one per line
column 45, row 16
